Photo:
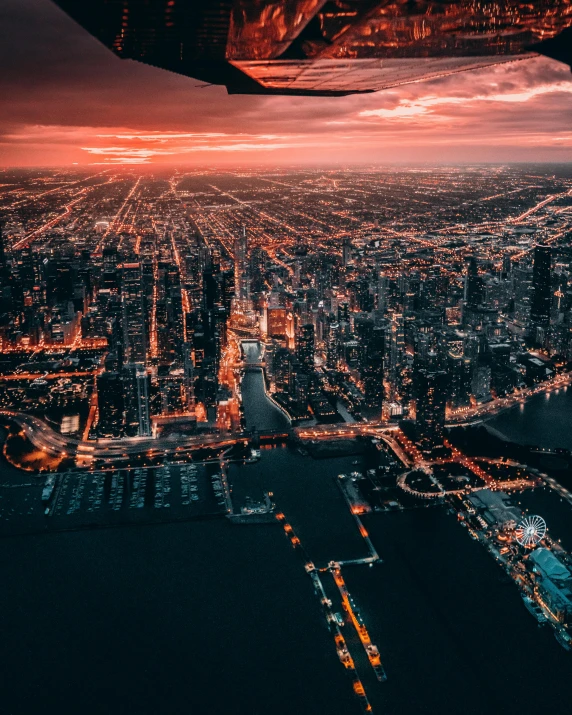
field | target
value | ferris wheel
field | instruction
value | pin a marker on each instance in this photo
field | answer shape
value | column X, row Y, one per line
column 531, row 531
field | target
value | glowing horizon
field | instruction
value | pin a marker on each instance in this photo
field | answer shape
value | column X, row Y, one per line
column 69, row 101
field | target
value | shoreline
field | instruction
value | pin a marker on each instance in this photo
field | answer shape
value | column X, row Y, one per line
column 542, row 389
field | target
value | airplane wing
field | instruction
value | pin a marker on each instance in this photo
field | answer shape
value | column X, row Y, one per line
column 325, row 47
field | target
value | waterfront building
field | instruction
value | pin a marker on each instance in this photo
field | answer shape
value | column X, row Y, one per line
column 281, row 369
column 110, row 404
column 496, row 509
column 277, row 321
column 481, row 383
column 432, row 390
column 553, row 585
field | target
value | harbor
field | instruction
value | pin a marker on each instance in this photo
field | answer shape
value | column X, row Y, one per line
column 96, row 499
column 448, row 624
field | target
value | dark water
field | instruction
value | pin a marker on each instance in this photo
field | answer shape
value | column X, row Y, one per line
column 259, row 412
column 306, row 491
column 454, row 636
column 545, row 420
column 210, row 618
column 195, row 618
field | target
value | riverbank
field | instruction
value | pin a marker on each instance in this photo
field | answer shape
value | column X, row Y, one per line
column 260, row 411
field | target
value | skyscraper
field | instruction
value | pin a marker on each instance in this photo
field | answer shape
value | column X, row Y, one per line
column 136, row 390
column 110, row 259
column 522, row 293
column 305, row 346
column 473, row 284
column 432, row 389
column 241, row 282
column 346, row 252
column 133, row 315
column 541, row 287
column 189, row 375
column 372, row 348
column 110, row 404
column 134, row 327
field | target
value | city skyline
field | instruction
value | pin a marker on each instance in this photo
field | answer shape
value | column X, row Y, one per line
column 71, row 101
column 334, row 353
column 285, row 381
column 357, row 297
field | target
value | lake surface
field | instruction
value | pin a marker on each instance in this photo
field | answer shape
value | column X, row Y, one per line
column 545, row 420
column 210, row 617
column 201, row 618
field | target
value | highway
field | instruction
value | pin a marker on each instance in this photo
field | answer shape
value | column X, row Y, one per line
column 48, row 375
column 44, row 438
column 117, row 220
column 51, row 223
column 534, row 209
column 53, row 443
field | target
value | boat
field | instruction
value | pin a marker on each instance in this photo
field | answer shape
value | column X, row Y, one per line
column 380, row 673
column 345, row 657
column 563, row 638
column 375, row 661
column 534, row 609
column 49, row 486
column 343, row 652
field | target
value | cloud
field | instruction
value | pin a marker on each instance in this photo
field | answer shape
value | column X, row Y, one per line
column 423, row 106
column 170, row 145
column 67, row 99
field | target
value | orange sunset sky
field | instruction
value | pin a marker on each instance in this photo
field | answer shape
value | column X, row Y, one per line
column 66, row 99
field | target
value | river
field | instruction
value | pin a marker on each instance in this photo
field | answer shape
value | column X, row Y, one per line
column 259, row 412
column 209, row 617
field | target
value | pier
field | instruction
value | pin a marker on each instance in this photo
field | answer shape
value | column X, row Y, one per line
column 327, row 604
column 374, row 556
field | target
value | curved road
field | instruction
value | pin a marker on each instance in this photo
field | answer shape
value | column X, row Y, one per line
column 43, row 437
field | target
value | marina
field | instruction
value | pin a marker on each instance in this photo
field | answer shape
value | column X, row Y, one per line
column 91, row 499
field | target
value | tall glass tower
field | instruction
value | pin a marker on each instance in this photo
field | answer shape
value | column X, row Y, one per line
column 542, row 286
column 241, row 274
